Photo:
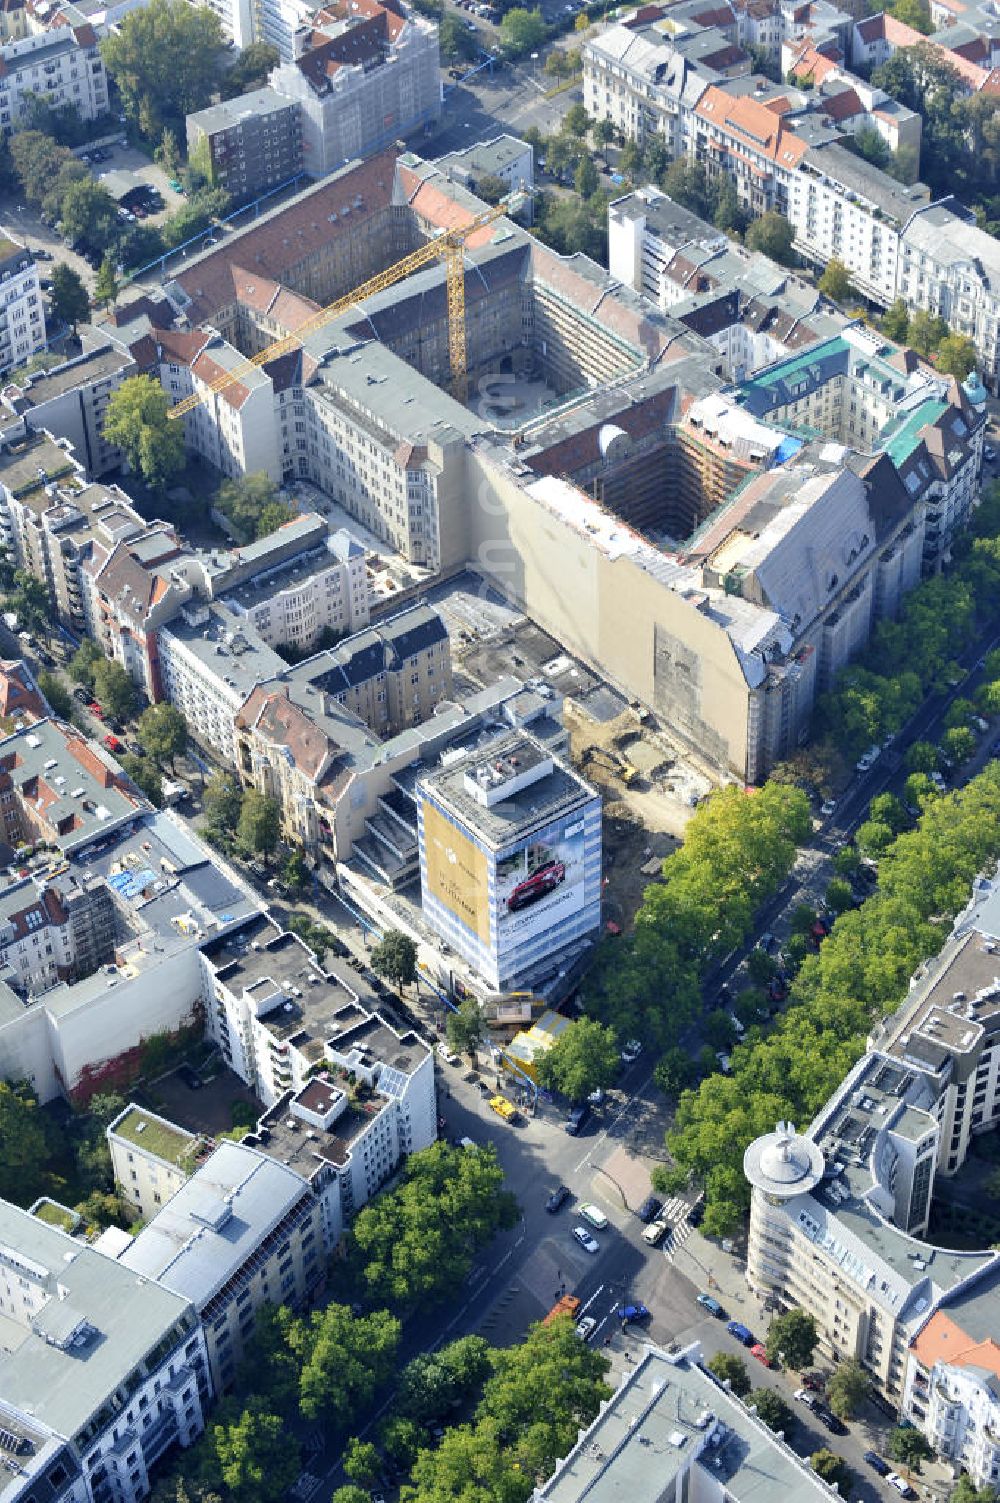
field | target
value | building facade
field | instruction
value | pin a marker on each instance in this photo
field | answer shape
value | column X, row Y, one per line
column 101, row 1373
column 247, row 145
column 510, row 858
column 22, row 317
column 62, row 67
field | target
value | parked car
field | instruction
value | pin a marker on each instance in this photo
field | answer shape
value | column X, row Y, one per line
column 594, row 1215
column 95, row 709
column 711, row 1305
column 989, row 453
column 901, row 1485
column 650, row 1209
column 112, row 743
column 759, row 1351
column 80, row 694
column 557, row 1199
column 587, row 1242
column 876, row 1463
column 655, row 1232
column 586, row 1327
column 696, row 1215
column 741, row 1332
column 631, row 1052
column 813, row 1381
column 805, row 1397
column 576, row 1120
column 828, row 808
column 631, row 1313
column 448, row 1055
column 830, row 1420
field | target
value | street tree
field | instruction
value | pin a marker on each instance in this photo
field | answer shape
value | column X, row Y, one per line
column 395, row 958
column 603, row 133
column 729, row 1368
column 346, row 1361
column 57, row 694
column 145, row 775
column 674, row 1071
column 416, row 1244
column 791, row 1339
column 839, row 895
column 434, row 1383
column 89, row 213
column 106, row 286
column 585, row 180
column 114, row 690
column 543, row 1392
column 958, row 743
column 847, row 1389
column 37, row 159
column 163, row 732
column 522, row 31
column 466, row 1028
column 966, row 1491
column 926, row 332
column 361, row 1461
column 956, row 356
column 259, row 824
column 772, row 1409
column 222, row 800
column 69, row 296
column 83, row 663
column 771, row 235
column 136, row 420
column 835, row 283
column 896, row 321
column 351, row 1493
column 909, row 1446
column 401, row 1439
column 256, row 1455
column 163, row 59
column 921, row 756
column 831, row 1468
column 584, row 1058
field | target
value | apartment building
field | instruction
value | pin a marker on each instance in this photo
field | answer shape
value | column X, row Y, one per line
column 210, row 664
column 510, row 858
column 22, row 318
column 51, row 519
column 648, row 85
column 840, row 1212
column 55, row 929
column 748, row 307
column 100, row 1373
column 168, row 894
column 952, row 1381
column 708, row 1446
column 21, row 700
column 840, row 206
column 152, row 1158
column 241, row 1232
column 62, row 67
column 347, row 1094
column 363, row 75
column 948, row 266
column 70, row 401
column 320, row 588
column 247, row 145
column 505, row 157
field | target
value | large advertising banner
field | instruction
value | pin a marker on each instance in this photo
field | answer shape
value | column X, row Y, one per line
column 541, row 883
column 457, row 873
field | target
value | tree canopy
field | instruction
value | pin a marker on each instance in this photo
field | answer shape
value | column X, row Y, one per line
column 847, row 1389
column 70, row 300
column 163, row 59
column 522, row 31
column 395, row 958
column 729, row 1368
column 772, row 235
column 584, row 1058
column 791, row 1339
column 163, row 731
column 259, row 825
column 136, row 420
column 415, row 1245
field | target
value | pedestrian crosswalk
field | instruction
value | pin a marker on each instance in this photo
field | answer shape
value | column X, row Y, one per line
column 677, row 1211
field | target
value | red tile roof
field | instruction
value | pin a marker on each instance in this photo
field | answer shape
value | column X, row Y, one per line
column 942, row 1340
column 752, row 126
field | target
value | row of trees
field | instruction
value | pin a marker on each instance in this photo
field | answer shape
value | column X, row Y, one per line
column 915, row 655
column 737, row 851
column 860, row 974
column 242, row 819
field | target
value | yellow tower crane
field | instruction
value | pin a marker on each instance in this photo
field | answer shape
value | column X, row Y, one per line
column 449, row 245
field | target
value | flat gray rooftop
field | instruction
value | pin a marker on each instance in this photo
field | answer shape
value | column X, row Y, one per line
column 64, row 1388
column 554, row 794
column 666, row 1419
